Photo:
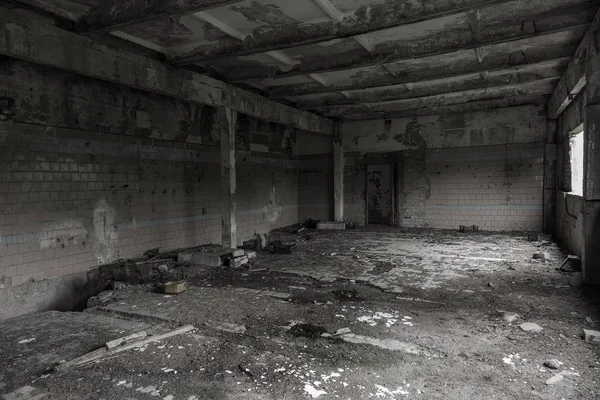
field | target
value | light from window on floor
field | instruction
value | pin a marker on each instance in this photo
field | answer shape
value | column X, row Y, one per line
column 577, row 163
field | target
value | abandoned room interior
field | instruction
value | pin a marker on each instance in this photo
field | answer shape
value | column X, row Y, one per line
column 273, row 199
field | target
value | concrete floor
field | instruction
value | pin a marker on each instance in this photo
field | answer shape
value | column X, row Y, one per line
column 424, row 311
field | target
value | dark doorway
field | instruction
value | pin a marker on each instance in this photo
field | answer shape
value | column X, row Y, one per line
column 379, row 194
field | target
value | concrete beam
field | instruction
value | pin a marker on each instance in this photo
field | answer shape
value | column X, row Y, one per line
column 452, row 109
column 535, row 88
column 572, row 81
column 116, row 14
column 226, row 118
column 457, row 36
column 363, row 20
column 542, row 48
column 43, row 44
column 480, row 80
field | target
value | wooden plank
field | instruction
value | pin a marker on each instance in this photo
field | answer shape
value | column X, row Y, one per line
column 22, row 38
column 104, row 352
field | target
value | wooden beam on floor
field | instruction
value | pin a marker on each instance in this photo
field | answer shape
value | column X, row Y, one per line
column 22, row 38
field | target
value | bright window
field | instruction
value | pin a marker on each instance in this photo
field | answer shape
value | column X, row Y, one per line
column 576, row 150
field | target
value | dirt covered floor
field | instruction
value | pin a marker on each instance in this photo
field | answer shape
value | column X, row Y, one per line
column 373, row 313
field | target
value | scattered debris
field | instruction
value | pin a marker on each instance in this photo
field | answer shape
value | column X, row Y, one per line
column 532, row 237
column 118, row 342
column 100, row 299
column 344, row 294
column 591, row 336
column 342, row 331
column 530, row 327
column 470, row 228
column 152, row 252
column 276, row 247
column 209, row 256
column 314, row 393
column 552, row 364
column 307, row 330
column 175, row 287
column 311, row 223
column 103, row 351
column 571, row 264
column 116, row 285
column 559, row 377
column 541, row 256
column 339, row 226
column 509, row 316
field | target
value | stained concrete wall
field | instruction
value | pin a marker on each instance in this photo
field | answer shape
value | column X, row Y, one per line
column 93, row 172
column 569, row 207
column 569, row 221
column 484, row 168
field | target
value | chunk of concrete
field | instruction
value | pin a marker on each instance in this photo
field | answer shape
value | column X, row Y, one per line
column 541, row 256
column 340, row 226
column 175, row 287
column 238, row 261
column 531, row 327
column 591, row 336
column 510, row 316
column 552, row 364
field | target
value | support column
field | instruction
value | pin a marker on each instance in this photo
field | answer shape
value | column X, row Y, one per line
column 227, row 118
column 550, row 168
column 591, row 184
column 338, row 173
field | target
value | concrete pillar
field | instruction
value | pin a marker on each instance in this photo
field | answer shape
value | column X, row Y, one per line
column 591, row 184
column 338, row 174
column 550, row 169
column 227, row 118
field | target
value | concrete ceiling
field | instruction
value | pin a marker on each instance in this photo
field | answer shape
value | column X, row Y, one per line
column 354, row 59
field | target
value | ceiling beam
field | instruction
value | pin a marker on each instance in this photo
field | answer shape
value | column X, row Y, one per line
column 458, row 36
column 454, row 109
column 541, row 48
column 481, row 80
column 115, row 14
column 541, row 87
column 22, row 38
column 363, row 20
column 574, row 78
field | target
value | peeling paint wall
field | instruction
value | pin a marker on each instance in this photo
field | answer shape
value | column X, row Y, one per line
column 91, row 173
column 484, row 168
column 267, row 177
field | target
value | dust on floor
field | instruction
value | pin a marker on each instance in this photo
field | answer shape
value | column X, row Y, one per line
column 349, row 315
